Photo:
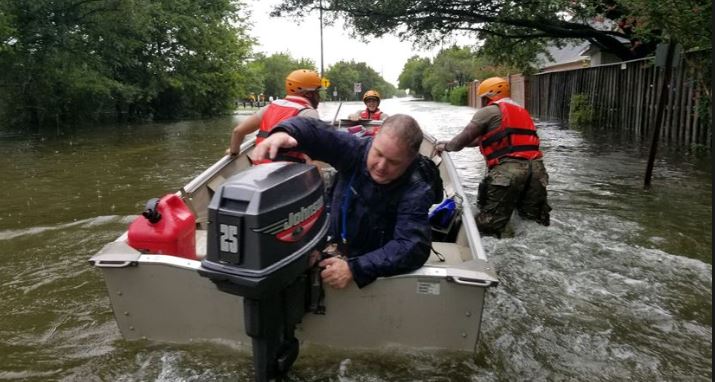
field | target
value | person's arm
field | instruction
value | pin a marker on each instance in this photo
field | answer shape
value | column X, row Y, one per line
column 384, row 116
column 315, row 138
column 321, row 142
column 355, row 116
column 478, row 126
column 268, row 149
column 410, row 245
column 247, row 126
column 467, row 138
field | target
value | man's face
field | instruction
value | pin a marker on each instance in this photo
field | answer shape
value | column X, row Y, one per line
column 388, row 158
column 371, row 104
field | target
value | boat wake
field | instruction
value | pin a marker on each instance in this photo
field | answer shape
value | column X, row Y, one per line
column 90, row 222
column 598, row 283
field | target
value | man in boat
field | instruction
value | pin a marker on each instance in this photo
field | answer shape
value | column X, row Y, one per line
column 380, row 199
column 302, row 98
column 372, row 111
column 517, row 178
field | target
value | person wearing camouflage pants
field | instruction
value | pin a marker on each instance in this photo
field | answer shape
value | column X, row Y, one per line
column 517, row 178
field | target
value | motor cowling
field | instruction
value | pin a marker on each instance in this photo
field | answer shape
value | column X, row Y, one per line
column 263, row 225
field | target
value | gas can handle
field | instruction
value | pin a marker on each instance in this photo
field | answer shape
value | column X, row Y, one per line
column 151, row 212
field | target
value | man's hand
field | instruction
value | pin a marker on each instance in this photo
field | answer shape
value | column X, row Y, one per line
column 269, row 147
column 439, row 148
column 337, row 273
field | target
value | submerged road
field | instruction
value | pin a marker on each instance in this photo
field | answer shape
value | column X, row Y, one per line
column 619, row 287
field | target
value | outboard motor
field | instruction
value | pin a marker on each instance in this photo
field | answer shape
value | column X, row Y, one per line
column 263, row 225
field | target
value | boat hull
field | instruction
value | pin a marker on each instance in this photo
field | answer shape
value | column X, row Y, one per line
column 163, row 298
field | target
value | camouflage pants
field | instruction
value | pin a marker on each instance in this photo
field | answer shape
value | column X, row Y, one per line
column 513, row 183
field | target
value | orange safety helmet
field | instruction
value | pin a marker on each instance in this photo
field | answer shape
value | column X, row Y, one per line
column 494, row 88
column 371, row 94
column 301, row 81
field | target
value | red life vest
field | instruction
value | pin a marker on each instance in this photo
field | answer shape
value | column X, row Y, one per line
column 375, row 116
column 514, row 138
column 277, row 111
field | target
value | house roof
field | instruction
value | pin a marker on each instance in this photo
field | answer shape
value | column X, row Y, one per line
column 578, row 50
column 571, row 52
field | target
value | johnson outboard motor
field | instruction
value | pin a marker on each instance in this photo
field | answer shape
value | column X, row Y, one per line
column 263, row 225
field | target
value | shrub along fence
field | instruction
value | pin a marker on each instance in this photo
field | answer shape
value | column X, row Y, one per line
column 624, row 97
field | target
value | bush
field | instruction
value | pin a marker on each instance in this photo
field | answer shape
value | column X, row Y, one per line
column 580, row 111
column 459, row 96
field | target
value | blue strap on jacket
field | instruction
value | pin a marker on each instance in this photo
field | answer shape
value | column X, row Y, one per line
column 347, row 195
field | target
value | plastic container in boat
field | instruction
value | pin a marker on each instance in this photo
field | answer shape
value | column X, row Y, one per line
column 166, row 227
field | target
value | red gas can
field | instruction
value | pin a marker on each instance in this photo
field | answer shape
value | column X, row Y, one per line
column 166, row 227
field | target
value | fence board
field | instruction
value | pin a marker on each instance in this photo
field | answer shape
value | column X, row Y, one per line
column 625, row 97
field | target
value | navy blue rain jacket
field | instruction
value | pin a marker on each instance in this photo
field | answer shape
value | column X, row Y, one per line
column 387, row 229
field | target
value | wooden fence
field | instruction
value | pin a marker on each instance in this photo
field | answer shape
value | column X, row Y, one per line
column 624, row 97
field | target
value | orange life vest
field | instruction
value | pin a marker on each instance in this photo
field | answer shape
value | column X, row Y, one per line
column 514, row 138
column 277, row 111
column 375, row 116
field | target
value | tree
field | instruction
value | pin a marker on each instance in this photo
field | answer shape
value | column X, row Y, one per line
column 77, row 60
column 275, row 69
column 201, row 56
column 515, row 31
column 451, row 69
column 343, row 75
column 412, row 75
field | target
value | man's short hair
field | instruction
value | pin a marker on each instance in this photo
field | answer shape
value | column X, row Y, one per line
column 406, row 129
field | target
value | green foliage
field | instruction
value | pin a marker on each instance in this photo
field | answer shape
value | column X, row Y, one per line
column 514, row 53
column 452, row 67
column 581, row 111
column 343, row 75
column 6, row 27
column 514, row 32
column 273, row 70
column 413, row 74
column 445, row 78
column 82, row 60
column 459, row 96
column 687, row 22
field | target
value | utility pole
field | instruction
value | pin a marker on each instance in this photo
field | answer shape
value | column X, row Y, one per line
column 321, row 38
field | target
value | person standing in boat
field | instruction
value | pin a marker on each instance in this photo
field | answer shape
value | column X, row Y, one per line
column 372, row 111
column 302, row 99
column 380, row 200
column 517, row 178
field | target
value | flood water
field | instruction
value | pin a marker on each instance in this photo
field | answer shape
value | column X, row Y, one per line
column 619, row 287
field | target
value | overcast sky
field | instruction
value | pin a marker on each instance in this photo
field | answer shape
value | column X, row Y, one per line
column 386, row 55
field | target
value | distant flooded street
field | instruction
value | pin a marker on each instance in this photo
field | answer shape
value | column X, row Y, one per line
column 619, row 287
